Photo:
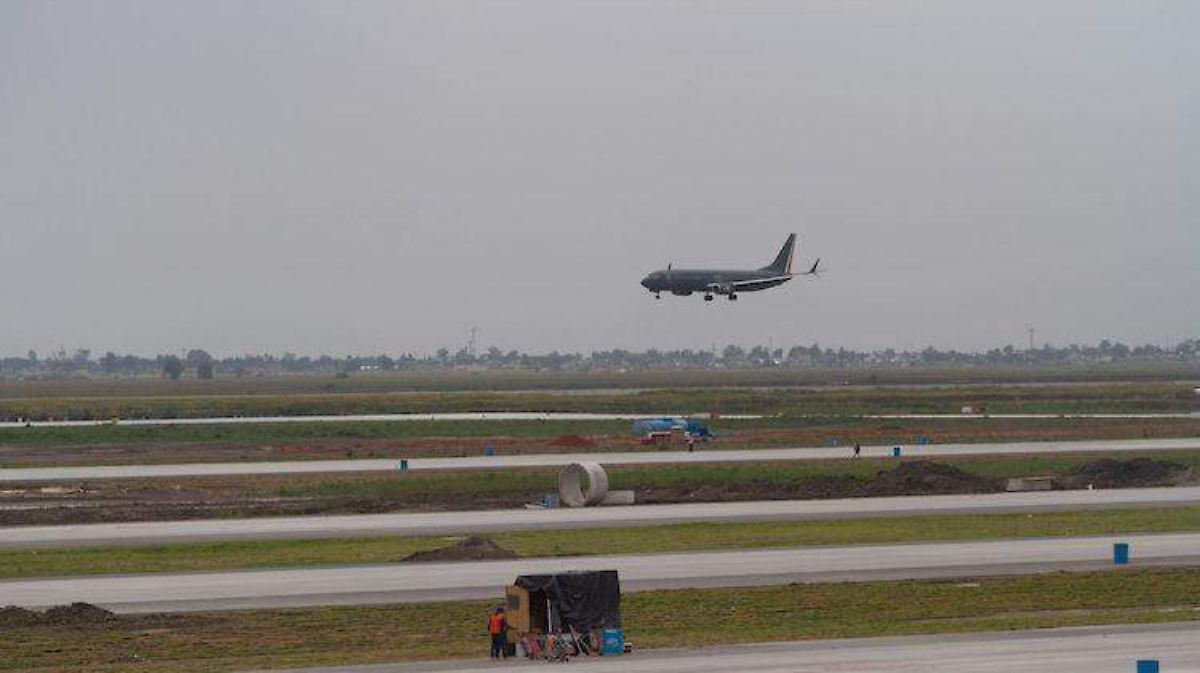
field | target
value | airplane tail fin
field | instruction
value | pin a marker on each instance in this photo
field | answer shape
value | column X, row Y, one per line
column 783, row 261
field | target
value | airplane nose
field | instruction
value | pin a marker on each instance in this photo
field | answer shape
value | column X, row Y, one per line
column 646, row 282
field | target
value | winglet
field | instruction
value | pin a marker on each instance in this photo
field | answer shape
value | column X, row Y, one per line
column 814, row 270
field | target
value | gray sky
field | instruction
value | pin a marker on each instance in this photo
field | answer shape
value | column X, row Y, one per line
column 370, row 176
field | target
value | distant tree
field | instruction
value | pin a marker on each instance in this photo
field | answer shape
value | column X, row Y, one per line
column 108, row 362
column 82, row 356
column 204, row 370
column 31, row 356
column 197, row 357
column 172, row 367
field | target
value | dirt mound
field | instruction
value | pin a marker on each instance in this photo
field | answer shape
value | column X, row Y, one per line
column 1109, row 473
column 573, row 441
column 12, row 616
column 470, row 549
column 76, row 614
column 927, row 478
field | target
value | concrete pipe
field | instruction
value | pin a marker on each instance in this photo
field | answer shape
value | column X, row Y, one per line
column 582, row 485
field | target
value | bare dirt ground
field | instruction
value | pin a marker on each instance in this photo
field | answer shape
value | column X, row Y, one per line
column 470, row 549
column 845, row 434
column 228, row 497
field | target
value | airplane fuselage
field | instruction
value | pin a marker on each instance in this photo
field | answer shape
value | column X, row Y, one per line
column 716, row 281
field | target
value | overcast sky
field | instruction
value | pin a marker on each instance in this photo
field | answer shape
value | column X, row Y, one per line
column 380, row 176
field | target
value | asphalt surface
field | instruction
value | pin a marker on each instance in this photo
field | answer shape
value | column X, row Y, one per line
column 445, row 523
column 522, row 416
column 1106, row 649
column 423, row 582
column 376, row 418
column 555, row 460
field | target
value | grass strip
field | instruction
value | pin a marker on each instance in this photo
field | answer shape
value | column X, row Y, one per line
column 1116, row 398
column 237, row 555
column 641, row 477
column 239, row 640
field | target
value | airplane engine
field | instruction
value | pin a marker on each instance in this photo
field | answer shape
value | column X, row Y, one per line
column 681, row 293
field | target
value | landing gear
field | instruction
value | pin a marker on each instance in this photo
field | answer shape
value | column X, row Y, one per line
column 658, row 295
column 732, row 296
column 708, row 297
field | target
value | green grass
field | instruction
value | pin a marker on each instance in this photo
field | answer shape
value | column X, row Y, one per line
column 795, row 430
column 240, row 640
column 391, row 485
column 518, row 380
column 675, row 538
column 1139, row 397
column 270, row 433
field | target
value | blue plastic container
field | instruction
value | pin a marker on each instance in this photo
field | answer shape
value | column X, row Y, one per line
column 612, row 641
column 896, row 451
column 1121, row 553
column 1147, row 666
column 489, row 450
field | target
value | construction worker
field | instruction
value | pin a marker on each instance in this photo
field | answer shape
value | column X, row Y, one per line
column 498, row 630
column 857, row 450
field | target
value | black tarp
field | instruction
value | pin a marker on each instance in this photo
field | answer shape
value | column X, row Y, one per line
column 583, row 601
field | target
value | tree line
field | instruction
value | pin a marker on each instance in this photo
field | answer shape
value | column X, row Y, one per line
column 198, row 363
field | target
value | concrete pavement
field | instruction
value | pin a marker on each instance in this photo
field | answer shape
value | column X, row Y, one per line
column 648, row 457
column 445, row 523
column 422, row 582
column 1103, row 649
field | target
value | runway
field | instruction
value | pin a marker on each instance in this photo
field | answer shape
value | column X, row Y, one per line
column 423, row 582
column 371, row 418
column 1102, row 649
column 445, row 523
column 647, row 457
column 539, row 416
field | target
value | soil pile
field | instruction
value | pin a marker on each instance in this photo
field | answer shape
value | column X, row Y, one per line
column 927, row 478
column 75, row 614
column 12, row 617
column 470, row 549
column 572, row 441
column 1109, row 473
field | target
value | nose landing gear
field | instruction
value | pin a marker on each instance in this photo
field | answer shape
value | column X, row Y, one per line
column 732, row 296
column 708, row 297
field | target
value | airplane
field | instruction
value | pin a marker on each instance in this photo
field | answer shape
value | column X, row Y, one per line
column 683, row 282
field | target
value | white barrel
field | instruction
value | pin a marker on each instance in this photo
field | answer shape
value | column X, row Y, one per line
column 571, row 489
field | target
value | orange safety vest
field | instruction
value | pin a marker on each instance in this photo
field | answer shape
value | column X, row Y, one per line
column 496, row 624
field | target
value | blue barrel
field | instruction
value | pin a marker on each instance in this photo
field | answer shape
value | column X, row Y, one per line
column 1147, row 666
column 1121, row 557
column 612, row 641
column 403, row 464
column 896, row 451
column 489, row 450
